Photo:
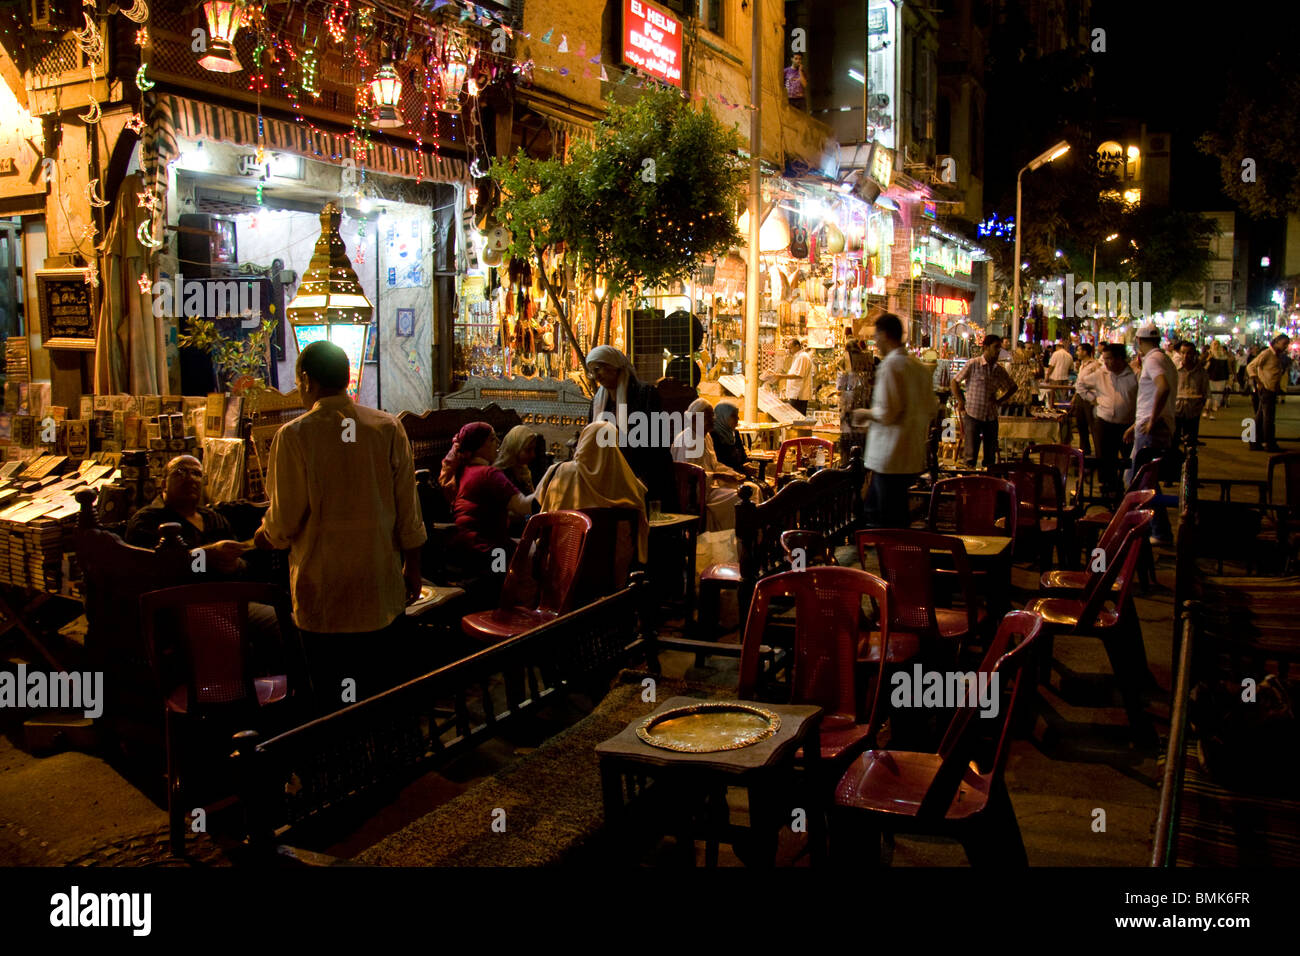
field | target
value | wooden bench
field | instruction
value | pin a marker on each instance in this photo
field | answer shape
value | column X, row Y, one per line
column 829, row 503
column 299, row 781
column 1229, row 626
column 431, row 433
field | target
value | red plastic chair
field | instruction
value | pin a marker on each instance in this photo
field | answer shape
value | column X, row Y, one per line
column 907, row 561
column 982, row 505
column 812, row 547
column 1108, row 544
column 541, row 583
column 1070, row 462
column 1105, row 611
column 1090, row 525
column 801, row 452
column 828, row 632
column 945, row 793
column 1041, row 490
column 1146, row 479
column 200, row 656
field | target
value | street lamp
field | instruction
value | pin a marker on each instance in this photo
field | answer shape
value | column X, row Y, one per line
column 1051, row 155
column 1096, row 322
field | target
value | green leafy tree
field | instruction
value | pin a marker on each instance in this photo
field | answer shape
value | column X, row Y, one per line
column 233, row 358
column 645, row 205
column 1257, row 123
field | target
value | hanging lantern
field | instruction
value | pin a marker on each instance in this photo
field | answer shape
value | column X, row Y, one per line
column 224, row 20
column 330, row 304
column 453, row 78
column 386, row 88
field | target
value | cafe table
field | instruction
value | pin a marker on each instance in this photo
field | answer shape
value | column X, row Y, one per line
column 991, row 555
column 681, row 780
column 672, row 548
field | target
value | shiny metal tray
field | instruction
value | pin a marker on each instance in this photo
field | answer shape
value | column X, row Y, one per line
column 709, row 727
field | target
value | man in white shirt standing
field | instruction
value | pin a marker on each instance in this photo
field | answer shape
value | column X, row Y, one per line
column 1059, row 366
column 799, row 379
column 1082, row 410
column 343, row 500
column 1110, row 388
column 902, row 407
column 1152, row 433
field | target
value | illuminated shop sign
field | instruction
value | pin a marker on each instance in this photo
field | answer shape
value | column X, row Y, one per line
column 882, row 164
column 882, row 44
column 943, row 305
column 946, row 256
column 652, row 41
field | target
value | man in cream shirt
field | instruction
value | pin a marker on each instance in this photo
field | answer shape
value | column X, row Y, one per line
column 343, row 500
column 902, row 407
column 799, row 379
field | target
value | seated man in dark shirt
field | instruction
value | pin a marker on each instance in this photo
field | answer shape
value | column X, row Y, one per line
column 200, row 525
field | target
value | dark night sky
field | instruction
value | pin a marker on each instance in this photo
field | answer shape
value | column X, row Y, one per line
column 1167, row 64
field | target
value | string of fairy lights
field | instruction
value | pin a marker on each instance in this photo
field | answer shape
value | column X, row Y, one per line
column 451, row 56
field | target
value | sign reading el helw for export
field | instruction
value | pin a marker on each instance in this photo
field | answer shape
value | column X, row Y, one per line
column 652, row 41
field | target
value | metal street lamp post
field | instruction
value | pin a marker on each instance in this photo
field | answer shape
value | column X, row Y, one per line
column 1055, row 153
column 1096, row 320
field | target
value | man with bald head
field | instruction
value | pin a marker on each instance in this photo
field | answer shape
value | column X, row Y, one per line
column 201, row 526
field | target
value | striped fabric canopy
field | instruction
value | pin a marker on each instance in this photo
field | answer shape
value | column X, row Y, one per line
column 176, row 116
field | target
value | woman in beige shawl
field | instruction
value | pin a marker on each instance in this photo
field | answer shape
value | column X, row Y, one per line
column 517, row 452
column 695, row 446
column 598, row 477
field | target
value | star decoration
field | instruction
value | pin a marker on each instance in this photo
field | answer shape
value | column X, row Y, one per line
column 147, row 200
column 89, row 233
column 135, row 124
column 145, row 283
column 142, row 36
column 91, row 277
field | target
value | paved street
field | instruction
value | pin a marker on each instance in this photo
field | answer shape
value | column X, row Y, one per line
column 74, row 808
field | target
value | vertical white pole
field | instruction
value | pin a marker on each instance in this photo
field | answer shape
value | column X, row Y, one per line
column 755, row 213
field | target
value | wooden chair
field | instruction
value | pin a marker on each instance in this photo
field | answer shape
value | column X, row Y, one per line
column 201, row 661
column 952, row 792
column 114, row 576
column 610, row 556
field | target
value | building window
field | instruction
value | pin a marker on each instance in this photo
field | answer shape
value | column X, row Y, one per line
column 711, row 15
column 709, row 12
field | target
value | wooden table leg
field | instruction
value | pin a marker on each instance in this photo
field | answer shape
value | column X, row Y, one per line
column 9, row 619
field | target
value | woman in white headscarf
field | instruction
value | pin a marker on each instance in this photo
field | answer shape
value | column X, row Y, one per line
column 695, row 446
column 620, row 396
column 597, row 477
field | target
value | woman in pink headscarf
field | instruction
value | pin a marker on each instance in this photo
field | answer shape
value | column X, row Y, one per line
column 484, row 497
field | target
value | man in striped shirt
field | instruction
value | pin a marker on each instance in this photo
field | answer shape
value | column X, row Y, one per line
column 988, row 385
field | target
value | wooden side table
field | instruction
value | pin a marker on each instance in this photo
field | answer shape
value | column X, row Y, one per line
column 764, row 769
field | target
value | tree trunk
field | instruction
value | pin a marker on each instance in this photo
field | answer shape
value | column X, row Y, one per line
column 560, row 313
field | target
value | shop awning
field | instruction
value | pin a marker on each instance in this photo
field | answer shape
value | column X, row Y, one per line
column 195, row 120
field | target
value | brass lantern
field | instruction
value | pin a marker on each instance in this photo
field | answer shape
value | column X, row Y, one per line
column 330, row 304
column 386, row 88
column 454, row 72
column 224, row 20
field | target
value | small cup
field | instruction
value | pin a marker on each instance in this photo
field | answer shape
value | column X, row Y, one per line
column 656, row 511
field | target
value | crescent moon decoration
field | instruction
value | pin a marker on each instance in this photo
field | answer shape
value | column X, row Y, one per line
column 143, row 235
column 138, row 13
column 142, row 82
column 91, row 115
column 92, row 194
